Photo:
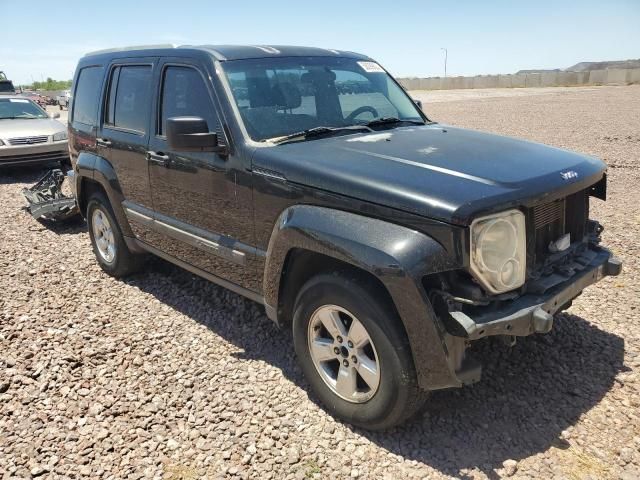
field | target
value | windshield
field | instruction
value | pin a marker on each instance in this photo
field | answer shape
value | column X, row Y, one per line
column 20, row 108
column 280, row 96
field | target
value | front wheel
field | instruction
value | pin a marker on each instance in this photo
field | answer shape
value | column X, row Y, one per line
column 354, row 351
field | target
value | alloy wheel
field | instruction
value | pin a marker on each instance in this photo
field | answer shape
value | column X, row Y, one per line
column 344, row 354
column 103, row 235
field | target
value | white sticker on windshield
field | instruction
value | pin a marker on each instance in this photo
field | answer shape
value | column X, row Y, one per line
column 371, row 67
column 18, row 100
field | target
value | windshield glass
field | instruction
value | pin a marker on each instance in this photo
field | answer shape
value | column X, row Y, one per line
column 20, row 108
column 281, row 96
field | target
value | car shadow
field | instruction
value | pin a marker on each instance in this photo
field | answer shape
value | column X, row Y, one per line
column 24, row 174
column 70, row 226
column 529, row 394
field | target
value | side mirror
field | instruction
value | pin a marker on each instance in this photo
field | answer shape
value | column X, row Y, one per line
column 418, row 103
column 55, row 115
column 191, row 134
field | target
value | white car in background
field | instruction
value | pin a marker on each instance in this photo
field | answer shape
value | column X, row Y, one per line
column 63, row 99
column 28, row 135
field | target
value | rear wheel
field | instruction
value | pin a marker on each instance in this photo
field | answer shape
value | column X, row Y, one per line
column 109, row 246
column 354, row 351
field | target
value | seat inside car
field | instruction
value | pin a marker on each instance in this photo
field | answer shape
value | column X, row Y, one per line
column 278, row 117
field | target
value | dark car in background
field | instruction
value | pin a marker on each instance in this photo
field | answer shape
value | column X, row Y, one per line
column 6, row 85
column 309, row 181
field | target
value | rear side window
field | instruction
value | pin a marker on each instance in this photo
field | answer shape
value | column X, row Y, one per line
column 185, row 94
column 128, row 103
column 85, row 104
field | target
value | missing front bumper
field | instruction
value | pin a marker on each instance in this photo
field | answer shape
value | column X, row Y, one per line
column 534, row 313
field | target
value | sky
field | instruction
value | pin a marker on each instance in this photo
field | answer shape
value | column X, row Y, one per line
column 406, row 37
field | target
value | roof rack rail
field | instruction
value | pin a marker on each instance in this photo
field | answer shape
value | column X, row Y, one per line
column 130, row 48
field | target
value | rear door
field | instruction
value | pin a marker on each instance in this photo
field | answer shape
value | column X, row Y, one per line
column 124, row 132
column 194, row 193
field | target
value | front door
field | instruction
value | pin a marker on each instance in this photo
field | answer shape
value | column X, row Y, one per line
column 194, row 193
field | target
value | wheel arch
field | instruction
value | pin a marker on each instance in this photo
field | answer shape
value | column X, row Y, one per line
column 301, row 265
column 93, row 173
column 395, row 257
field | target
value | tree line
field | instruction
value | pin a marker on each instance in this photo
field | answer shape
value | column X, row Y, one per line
column 49, row 84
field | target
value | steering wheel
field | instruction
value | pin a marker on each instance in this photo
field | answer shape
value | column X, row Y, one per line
column 359, row 111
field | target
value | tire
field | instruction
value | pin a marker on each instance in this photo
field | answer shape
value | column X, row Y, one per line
column 118, row 261
column 396, row 396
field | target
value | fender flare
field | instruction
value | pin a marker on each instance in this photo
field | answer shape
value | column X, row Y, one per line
column 100, row 170
column 397, row 256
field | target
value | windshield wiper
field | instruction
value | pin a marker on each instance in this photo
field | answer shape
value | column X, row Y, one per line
column 317, row 132
column 391, row 120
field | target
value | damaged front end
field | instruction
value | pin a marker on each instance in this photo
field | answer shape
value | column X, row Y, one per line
column 527, row 312
column 51, row 197
column 556, row 275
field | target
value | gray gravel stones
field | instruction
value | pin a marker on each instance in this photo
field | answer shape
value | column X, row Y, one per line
column 167, row 376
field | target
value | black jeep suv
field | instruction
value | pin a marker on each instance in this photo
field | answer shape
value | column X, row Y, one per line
column 308, row 180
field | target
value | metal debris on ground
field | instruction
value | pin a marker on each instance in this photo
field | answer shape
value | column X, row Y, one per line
column 48, row 198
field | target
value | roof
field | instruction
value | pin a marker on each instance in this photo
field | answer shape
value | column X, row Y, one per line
column 233, row 52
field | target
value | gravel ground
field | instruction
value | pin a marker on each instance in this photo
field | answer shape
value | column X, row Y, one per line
column 167, row 376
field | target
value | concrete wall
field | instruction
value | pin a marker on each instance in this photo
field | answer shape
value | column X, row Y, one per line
column 612, row 76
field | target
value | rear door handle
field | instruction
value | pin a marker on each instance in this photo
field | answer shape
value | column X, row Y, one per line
column 103, row 142
column 158, row 158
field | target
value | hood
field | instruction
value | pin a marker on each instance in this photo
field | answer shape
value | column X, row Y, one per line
column 10, row 128
column 445, row 173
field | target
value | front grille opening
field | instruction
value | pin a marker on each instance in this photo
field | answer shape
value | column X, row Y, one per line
column 577, row 215
column 552, row 220
column 548, row 213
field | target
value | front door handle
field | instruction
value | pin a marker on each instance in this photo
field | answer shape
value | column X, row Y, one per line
column 103, row 142
column 158, row 158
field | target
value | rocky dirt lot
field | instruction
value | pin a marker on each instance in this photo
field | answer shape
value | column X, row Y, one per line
column 167, row 376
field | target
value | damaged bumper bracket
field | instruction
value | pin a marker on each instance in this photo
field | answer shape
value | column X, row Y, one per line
column 534, row 313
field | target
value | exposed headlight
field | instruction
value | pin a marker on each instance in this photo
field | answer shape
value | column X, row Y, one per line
column 498, row 251
column 59, row 136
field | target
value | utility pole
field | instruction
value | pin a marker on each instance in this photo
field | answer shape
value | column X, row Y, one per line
column 445, row 61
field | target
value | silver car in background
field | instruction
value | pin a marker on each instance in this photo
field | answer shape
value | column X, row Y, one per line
column 63, row 99
column 28, row 135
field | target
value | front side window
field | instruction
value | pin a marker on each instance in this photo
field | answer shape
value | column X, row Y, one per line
column 281, row 96
column 19, row 108
column 128, row 102
column 184, row 94
column 85, row 105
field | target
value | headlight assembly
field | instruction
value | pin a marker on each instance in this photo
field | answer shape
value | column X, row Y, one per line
column 59, row 136
column 499, row 251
